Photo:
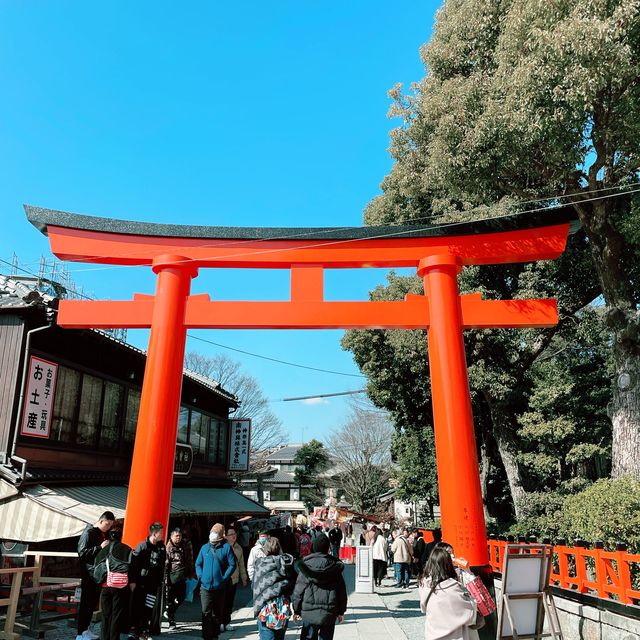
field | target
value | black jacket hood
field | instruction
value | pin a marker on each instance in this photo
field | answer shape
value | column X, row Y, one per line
column 320, row 568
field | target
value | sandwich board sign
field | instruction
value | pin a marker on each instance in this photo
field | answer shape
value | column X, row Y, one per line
column 364, row 569
column 526, row 596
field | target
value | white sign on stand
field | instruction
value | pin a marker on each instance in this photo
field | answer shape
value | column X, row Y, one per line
column 364, row 569
column 526, row 596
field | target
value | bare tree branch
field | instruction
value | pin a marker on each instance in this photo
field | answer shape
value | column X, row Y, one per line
column 266, row 428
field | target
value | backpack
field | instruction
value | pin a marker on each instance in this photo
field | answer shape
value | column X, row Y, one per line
column 276, row 613
column 305, row 544
column 110, row 564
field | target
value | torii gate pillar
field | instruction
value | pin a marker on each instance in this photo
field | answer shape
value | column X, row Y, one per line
column 154, row 449
column 461, row 507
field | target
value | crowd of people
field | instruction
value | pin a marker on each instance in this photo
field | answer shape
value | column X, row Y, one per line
column 293, row 576
column 451, row 612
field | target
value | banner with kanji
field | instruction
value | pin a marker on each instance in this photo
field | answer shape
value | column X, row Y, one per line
column 239, row 441
column 38, row 398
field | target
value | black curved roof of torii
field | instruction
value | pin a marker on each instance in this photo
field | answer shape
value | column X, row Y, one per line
column 41, row 218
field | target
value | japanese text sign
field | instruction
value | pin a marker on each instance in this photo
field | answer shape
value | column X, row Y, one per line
column 239, row 442
column 38, row 399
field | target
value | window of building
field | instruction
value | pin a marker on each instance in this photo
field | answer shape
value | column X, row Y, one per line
column 279, row 493
column 183, row 425
column 214, row 435
column 112, row 409
column 131, row 418
column 198, row 434
column 89, row 413
column 222, row 441
column 66, row 401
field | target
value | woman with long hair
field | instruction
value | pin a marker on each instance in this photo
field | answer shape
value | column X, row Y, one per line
column 451, row 613
column 379, row 551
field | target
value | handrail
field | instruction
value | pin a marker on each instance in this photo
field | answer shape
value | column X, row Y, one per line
column 601, row 573
column 40, row 585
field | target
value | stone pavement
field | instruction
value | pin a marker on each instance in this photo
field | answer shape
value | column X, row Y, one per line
column 390, row 614
column 404, row 606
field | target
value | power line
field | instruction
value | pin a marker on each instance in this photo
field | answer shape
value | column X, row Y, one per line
column 257, row 355
column 321, row 395
column 224, row 346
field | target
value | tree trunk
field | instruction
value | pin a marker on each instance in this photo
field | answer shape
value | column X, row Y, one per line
column 501, row 424
column 484, row 472
column 609, row 250
column 625, row 450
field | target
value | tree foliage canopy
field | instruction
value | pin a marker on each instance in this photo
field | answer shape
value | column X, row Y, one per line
column 526, row 104
column 312, row 459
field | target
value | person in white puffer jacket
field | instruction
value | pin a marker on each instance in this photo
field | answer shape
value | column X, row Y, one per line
column 256, row 552
column 379, row 551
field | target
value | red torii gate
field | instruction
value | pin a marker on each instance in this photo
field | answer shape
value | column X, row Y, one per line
column 176, row 252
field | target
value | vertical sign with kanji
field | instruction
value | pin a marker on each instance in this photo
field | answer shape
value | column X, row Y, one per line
column 38, row 399
column 239, row 441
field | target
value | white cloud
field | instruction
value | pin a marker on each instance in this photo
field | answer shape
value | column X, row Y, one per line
column 312, row 401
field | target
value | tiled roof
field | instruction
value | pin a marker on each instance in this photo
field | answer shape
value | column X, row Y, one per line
column 284, row 454
column 15, row 294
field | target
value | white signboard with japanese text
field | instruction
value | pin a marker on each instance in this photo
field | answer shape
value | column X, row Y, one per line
column 239, row 442
column 38, row 398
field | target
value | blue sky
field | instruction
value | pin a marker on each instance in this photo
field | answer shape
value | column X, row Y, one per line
column 243, row 114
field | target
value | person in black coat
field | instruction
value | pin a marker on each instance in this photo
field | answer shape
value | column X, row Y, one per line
column 149, row 558
column 92, row 541
column 335, row 538
column 320, row 594
column 114, row 600
column 418, row 554
column 429, row 547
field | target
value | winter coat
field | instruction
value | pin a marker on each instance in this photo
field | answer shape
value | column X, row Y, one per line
column 401, row 549
column 273, row 576
column 149, row 562
column 450, row 610
column 179, row 556
column 335, row 536
column 379, row 548
column 320, row 595
column 215, row 564
column 89, row 546
column 369, row 536
column 256, row 552
column 240, row 574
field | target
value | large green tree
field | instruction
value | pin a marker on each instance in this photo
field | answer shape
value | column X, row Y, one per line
column 312, row 459
column 535, row 100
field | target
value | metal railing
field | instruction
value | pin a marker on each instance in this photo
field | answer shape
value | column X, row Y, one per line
column 610, row 575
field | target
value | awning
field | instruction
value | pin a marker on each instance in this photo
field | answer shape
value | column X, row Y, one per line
column 7, row 490
column 24, row 520
column 48, row 513
column 286, row 505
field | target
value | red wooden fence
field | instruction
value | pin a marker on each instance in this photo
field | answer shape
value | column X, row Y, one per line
column 605, row 574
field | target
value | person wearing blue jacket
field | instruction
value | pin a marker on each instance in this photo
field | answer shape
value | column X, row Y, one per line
column 215, row 564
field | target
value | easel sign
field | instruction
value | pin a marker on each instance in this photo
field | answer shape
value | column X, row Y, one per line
column 526, row 596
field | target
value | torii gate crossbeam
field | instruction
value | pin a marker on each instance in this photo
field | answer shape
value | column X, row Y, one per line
column 176, row 252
